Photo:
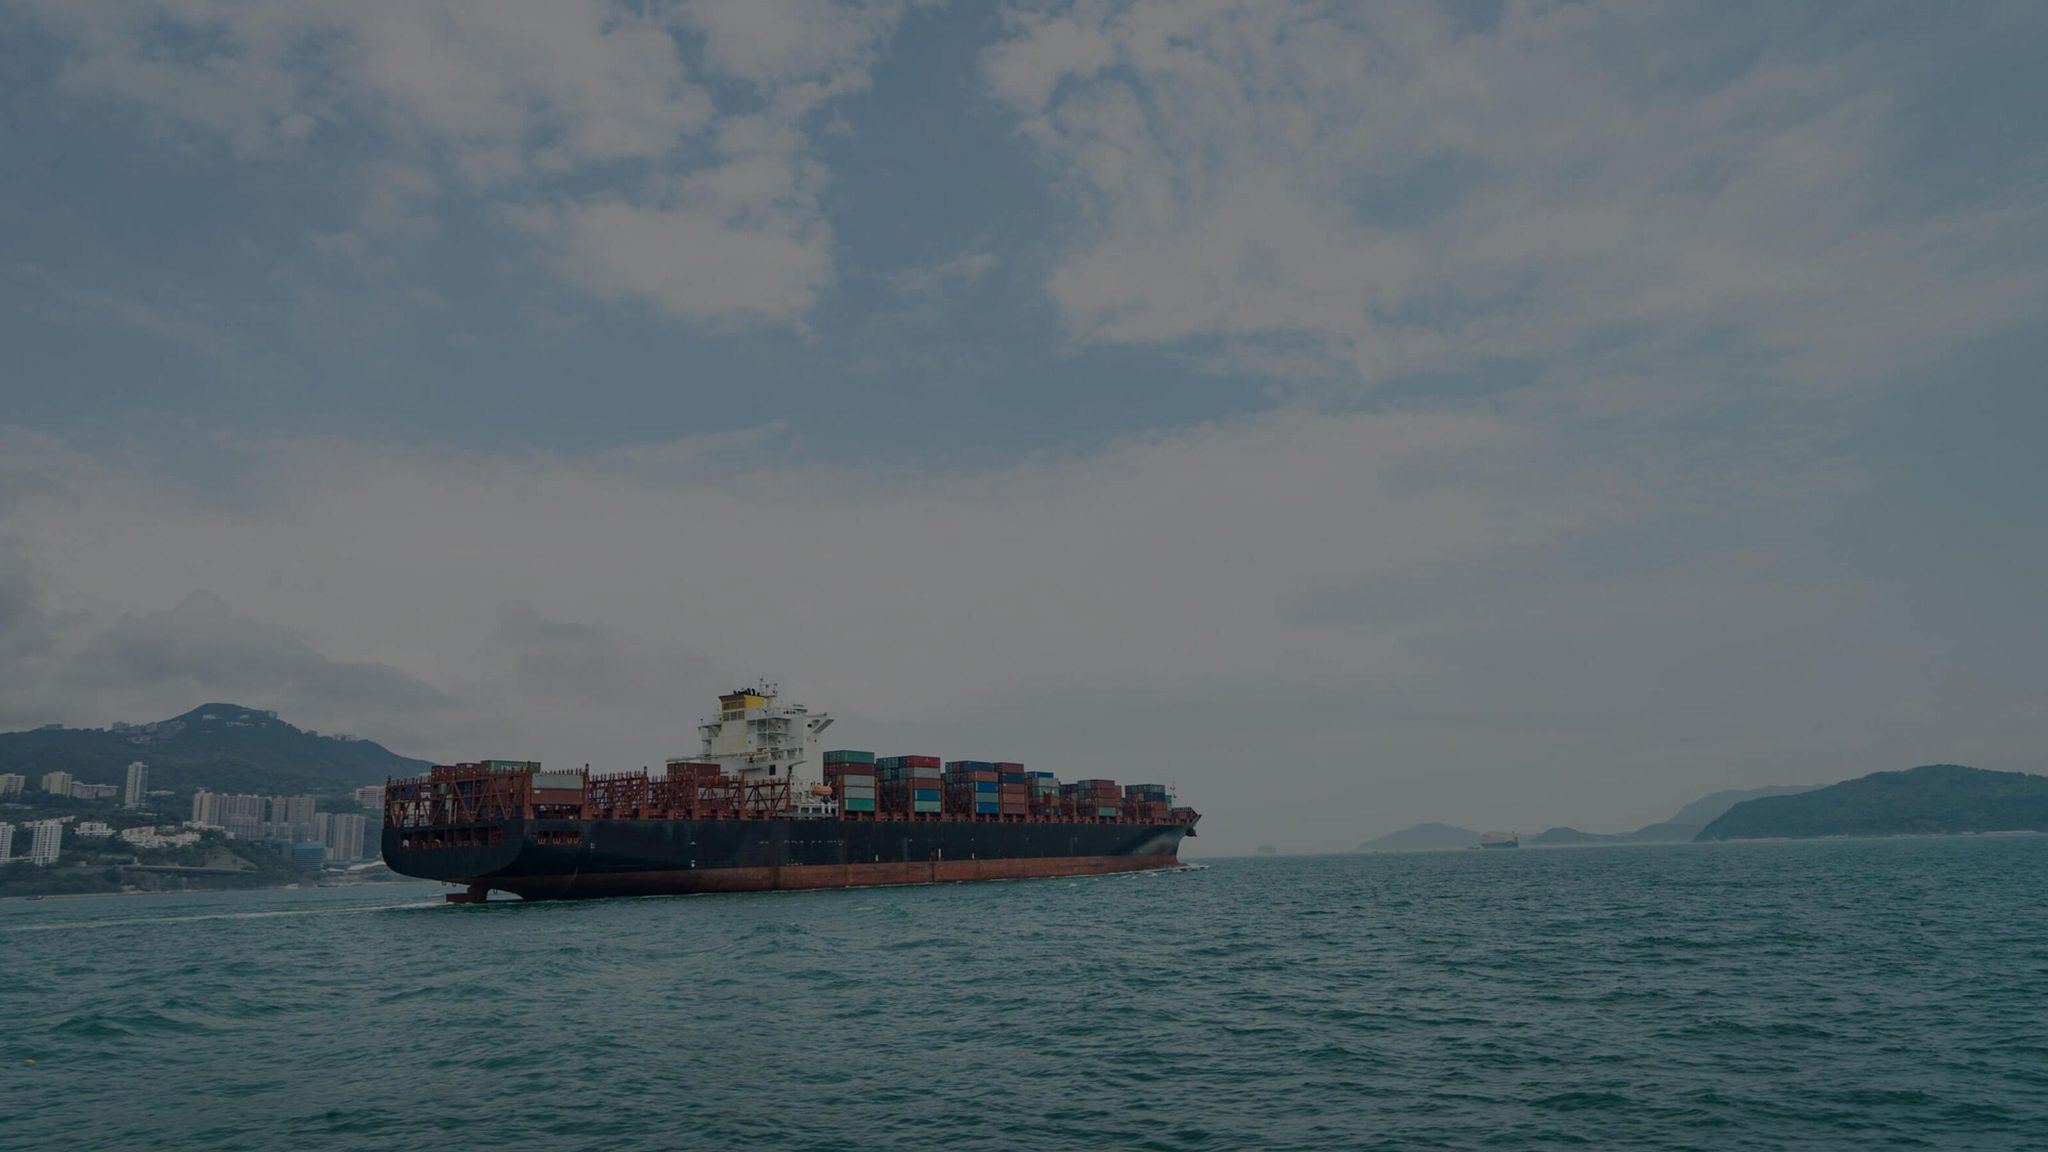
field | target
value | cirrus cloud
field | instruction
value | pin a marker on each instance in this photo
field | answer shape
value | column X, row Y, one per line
column 1373, row 192
column 707, row 213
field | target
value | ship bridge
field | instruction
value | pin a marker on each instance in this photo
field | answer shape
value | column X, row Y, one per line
column 758, row 738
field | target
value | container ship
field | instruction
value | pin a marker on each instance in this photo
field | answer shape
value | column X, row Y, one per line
column 749, row 814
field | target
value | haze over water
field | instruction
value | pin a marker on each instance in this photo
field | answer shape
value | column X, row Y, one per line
column 1755, row 996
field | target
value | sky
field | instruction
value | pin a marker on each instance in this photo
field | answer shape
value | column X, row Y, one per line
column 1352, row 415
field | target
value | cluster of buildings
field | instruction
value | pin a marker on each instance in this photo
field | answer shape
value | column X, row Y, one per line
column 144, row 837
column 290, row 822
column 291, row 825
column 132, row 794
column 43, row 839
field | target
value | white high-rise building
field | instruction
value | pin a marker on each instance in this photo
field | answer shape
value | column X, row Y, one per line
column 6, row 842
column 239, row 813
column 345, row 836
column 57, row 783
column 292, row 812
column 47, row 836
column 138, row 785
column 11, row 783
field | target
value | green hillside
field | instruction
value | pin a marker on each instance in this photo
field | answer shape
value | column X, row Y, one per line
column 1933, row 799
column 224, row 747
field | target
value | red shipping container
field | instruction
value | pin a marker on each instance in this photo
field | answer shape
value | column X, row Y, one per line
column 1008, row 766
column 921, row 762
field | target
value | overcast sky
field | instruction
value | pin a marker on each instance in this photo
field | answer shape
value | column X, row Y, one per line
column 1350, row 414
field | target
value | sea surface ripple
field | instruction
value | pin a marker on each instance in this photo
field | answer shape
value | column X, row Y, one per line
column 1760, row 996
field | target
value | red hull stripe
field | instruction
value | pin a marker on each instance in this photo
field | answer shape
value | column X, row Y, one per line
column 796, row 877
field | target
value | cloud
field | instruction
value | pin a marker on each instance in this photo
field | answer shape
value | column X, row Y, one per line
column 1317, row 625
column 504, row 88
column 178, row 322
column 706, row 214
column 1591, row 188
column 25, row 629
column 802, row 51
column 949, row 275
column 741, row 240
column 203, row 647
column 1618, row 278
column 549, row 661
column 151, row 664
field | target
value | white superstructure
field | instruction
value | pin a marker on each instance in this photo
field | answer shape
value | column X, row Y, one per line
column 762, row 741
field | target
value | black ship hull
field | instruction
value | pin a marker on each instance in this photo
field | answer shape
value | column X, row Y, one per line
column 568, row 859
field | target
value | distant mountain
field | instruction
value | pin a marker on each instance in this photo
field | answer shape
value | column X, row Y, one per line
column 1667, row 833
column 1553, row 837
column 1707, row 809
column 225, row 747
column 1423, row 838
column 1680, row 829
column 1935, row 798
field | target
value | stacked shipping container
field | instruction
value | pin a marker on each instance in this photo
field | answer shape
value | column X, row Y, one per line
column 1147, row 802
column 851, row 775
column 861, row 782
column 1014, row 788
column 911, row 784
column 972, row 788
column 1094, row 799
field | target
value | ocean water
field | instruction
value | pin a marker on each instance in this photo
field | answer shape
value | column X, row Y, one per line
column 1866, row 994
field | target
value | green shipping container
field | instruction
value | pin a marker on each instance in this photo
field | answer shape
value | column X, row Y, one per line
column 849, row 756
column 1106, row 813
column 852, row 804
column 926, row 806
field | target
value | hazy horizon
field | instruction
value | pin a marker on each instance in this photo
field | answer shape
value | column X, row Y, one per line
column 1511, row 415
